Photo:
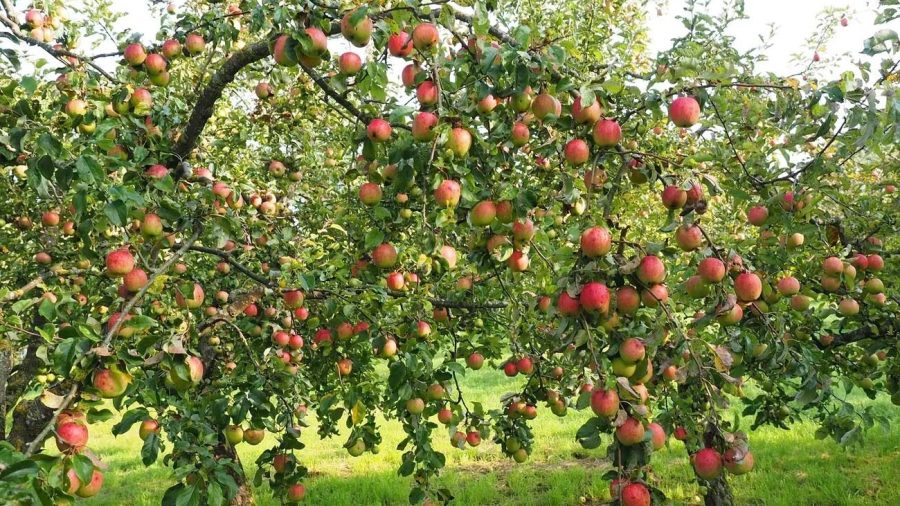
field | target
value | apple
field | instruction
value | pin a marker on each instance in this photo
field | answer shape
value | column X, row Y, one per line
column 595, row 242
column 635, row 494
column 148, row 426
column 459, row 141
column 71, row 436
column 475, row 361
column 378, row 130
column 510, row 369
column 135, row 280
column 711, row 270
column 848, row 307
column 194, row 301
column 594, row 297
column 427, row 93
column 757, row 215
column 567, row 305
column 356, row 27
column 423, row 126
column 689, row 237
column 651, row 270
column 409, row 74
column 415, row 406
column 171, row 48
column 134, row 54
column 788, row 285
column 194, row 43
column 747, row 286
column 483, row 213
column 296, row 492
column 673, row 197
column 155, row 64
column 370, row 194
column 400, row 44
column 447, row 193
column 632, row 350
column 576, row 152
column 684, row 111
column 590, row 114
column 473, row 438
column 486, row 104
column 384, row 256
column 91, row 488
column 738, row 462
column 254, row 436
column 707, row 463
column 425, row 37
column 607, row 133
column 519, row 134
column 119, row 262
column 545, row 105
column 76, row 108
column 631, row 432
column 517, row 262
column 627, row 300
column 605, row 403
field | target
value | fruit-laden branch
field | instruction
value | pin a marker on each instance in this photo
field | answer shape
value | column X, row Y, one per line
column 753, row 179
column 790, row 175
column 73, row 391
column 346, row 104
column 205, row 106
column 42, row 435
column 159, row 270
column 224, row 255
column 59, row 54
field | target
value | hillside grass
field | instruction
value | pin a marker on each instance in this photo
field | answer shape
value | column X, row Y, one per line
column 792, row 467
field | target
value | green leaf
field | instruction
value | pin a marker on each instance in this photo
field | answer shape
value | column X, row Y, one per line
column 50, row 145
column 150, row 450
column 373, row 238
column 19, row 471
column 84, row 468
column 130, row 418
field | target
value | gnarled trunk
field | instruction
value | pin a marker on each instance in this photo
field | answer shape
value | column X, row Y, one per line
column 244, row 496
column 29, row 417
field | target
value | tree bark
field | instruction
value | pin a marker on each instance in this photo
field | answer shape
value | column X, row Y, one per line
column 718, row 493
column 29, row 417
column 244, row 496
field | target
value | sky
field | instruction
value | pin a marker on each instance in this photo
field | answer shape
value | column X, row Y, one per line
column 794, row 21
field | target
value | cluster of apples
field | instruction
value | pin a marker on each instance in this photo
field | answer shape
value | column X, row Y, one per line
column 71, row 439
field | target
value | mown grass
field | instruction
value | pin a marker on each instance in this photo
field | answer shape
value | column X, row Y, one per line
column 792, row 467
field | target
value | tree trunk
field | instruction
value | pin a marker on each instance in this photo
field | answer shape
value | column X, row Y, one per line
column 244, row 496
column 29, row 417
column 5, row 369
column 718, row 493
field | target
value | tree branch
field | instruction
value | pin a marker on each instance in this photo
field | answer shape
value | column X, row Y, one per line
column 205, row 106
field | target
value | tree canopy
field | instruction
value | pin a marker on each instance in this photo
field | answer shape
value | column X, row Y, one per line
column 270, row 211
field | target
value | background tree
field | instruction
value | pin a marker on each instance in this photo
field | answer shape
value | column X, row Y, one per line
column 248, row 222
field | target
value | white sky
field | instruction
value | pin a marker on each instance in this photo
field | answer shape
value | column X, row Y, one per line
column 794, row 20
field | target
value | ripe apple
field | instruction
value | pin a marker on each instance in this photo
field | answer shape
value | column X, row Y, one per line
column 738, row 462
column 423, row 126
column 447, row 193
column 427, row 93
column 673, row 197
column 651, row 270
column 707, row 463
column 607, row 133
column 605, row 403
column 483, row 213
column 459, row 141
column 370, row 194
column 415, row 406
column 254, row 436
column 627, row 300
column 409, row 74
column 119, row 262
column 378, row 130
column 594, row 297
column 425, row 37
column 711, row 270
column 135, row 279
column 747, row 286
column 148, row 426
column 576, row 152
column 590, row 114
column 595, row 242
column 684, row 111
column 344, row 367
column 384, row 256
column 71, row 436
column 635, row 494
column 519, row 134
column 567, row 305
column 194, row 43
column 155, row 64
column 91, row 488
column 631, row 432
column 400, row 44
column 475, row 361
column 517, row 262
column 757, row 215
column 632, row 350
column 194, row 301
column 689, row 237
column 134, row 54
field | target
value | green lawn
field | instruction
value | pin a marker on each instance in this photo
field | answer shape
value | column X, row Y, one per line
column 791, row 467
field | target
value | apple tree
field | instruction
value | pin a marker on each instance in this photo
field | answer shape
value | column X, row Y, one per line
column 270, row 211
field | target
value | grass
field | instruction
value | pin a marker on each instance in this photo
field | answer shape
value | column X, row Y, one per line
column 792, row 467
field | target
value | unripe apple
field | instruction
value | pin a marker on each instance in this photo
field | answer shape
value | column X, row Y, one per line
column 545, row 105
column 76, row 108
column 356, row 27
column 848, row 307
column 486, row 104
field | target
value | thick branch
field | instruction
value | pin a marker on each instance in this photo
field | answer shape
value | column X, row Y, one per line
column 224, row 255
column 205, row 106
